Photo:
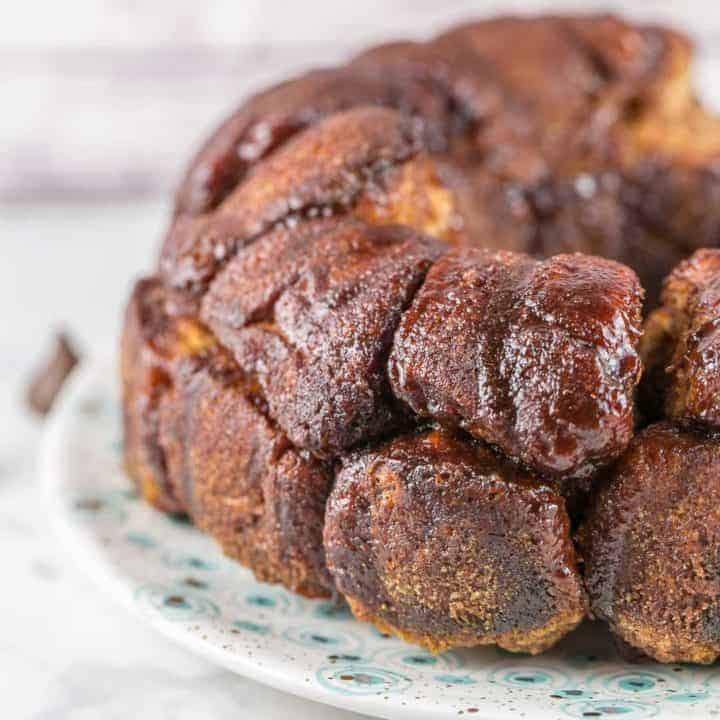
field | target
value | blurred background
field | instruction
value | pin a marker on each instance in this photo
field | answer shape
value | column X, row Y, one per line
column 102, row 103
column 104, row 100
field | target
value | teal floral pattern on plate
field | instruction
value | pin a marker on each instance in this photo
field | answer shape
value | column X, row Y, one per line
column 177, row 580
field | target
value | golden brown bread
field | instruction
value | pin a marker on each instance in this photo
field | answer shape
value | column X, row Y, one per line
column 447, row 544
column 359, row 251
column 241, row 480
column 651, row 546
column 536, row 357
column 682, row 344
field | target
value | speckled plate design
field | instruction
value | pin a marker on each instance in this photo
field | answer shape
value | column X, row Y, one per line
column 177, row 579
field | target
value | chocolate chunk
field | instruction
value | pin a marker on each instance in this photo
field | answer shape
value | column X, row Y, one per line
column 48, row 380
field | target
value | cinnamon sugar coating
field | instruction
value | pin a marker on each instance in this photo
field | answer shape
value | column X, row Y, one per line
column 447, row 544
column 536, row 357
column 651, row 545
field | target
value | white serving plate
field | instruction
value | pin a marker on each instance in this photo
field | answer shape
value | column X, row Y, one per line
column 180, row 583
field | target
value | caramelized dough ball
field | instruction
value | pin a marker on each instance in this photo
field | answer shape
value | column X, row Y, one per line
column 441, row 89
column 151, row 343
column 459, row 93
column 547, row 78
column 265, row 122
column 310, row 311
column 681, row 344
column 651, row 545
column 446, row 544
column 486, row 159
column 599, row 135
column 538, row 358
column 240, row 478
column 406, row 78
column 366, row 162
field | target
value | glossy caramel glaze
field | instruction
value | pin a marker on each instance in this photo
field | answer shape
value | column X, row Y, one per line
column 651, row 545
column 538, row 358
column 445, row 543
column 681, row 345
column 311, row 313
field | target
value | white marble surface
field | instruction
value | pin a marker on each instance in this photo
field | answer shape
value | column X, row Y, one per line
column 65, row 650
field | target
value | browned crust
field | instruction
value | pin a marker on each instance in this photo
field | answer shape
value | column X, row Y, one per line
column 651, row 546
column 197, row 441
column 448, row 545
column 681, row 345
column 242, row 481
column 150, row 344
column 522, row 640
